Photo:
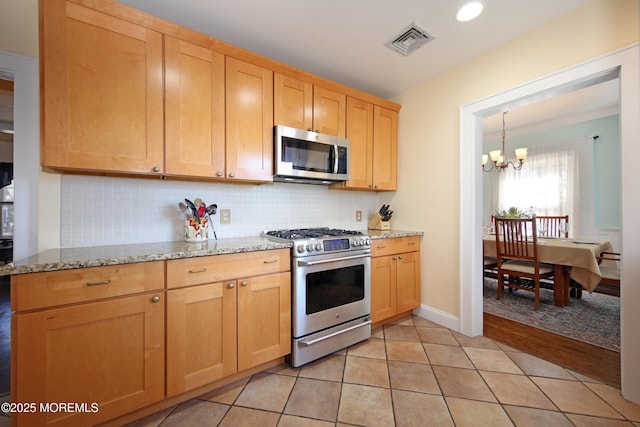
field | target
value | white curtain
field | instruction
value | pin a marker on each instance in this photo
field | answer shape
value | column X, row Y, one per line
column 556, row 179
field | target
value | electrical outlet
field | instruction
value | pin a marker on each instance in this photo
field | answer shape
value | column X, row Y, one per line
column 225, row 216
column 358, row 216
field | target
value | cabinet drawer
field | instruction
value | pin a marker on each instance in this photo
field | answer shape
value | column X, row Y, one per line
column 216, row 268
column 382, row 247
column 49, row 289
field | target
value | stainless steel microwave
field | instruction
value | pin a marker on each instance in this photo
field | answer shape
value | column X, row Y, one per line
column 309, row 157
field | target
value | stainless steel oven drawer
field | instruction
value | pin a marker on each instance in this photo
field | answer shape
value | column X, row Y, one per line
column 314, row 346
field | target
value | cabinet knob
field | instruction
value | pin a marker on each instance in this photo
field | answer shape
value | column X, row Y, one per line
column 231, row 286
column 394, row 258
column 244, row 283
column 375, row 186
column 156, row 169
column 155, row 299
column 232, row 175
column 400, row 257
column 218, row 173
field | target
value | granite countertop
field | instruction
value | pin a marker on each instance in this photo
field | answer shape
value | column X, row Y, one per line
column 392, row 234
column 97, row 256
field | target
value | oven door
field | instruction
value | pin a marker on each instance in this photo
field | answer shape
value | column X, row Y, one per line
column 329, row 290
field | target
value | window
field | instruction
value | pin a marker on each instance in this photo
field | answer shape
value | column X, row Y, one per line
column 556, row 179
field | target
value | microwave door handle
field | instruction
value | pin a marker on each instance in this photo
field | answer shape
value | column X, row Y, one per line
column 335, row 159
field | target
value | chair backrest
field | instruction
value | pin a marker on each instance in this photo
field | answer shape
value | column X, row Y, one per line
column 553, row 226
column 516, row 239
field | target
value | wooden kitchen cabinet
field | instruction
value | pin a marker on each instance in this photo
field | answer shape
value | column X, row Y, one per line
column 240, row 321
column 303, row 105
column 201, row 335
column 373, row 134
column 194, row 110
column 101, row 92
column 395, row 277
column 249, row 133
column 107, row 351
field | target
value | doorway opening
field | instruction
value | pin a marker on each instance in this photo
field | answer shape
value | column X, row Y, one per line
column 622, row 64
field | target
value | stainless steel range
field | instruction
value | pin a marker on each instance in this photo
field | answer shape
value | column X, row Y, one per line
column 331, row 295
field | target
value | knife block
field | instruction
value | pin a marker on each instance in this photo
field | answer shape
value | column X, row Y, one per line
column 377, row 223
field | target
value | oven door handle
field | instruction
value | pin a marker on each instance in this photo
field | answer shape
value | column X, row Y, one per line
column 317, row 340
column 325, row 261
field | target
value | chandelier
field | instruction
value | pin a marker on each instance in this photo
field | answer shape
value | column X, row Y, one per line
column 498, row 156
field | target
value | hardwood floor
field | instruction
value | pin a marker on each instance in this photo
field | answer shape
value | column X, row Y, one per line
column 590, row 360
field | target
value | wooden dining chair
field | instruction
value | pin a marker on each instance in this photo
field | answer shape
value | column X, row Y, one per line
column 610, row 276
column 552, row 225
column 517, row 255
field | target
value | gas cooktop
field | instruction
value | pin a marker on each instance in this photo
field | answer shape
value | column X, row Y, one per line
column 323, row 240
column 311, row 233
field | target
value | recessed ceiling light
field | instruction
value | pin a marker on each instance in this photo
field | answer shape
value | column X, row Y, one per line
column 469, row 11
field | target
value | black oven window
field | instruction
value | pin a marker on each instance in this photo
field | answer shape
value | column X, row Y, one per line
column 333, row 288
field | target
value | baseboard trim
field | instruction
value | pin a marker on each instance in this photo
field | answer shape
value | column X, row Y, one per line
column 440, row 317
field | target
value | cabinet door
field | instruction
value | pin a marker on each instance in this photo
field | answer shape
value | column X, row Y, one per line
column 293, row 102
column 329, row 111
column 249, row 101
column 383, row 288
column 101, row 91
column 408, row 281
column 360, row 134
column 109, row 352
column 264, row 319
column 201, row 335
column 194, row 102
column 385, row 148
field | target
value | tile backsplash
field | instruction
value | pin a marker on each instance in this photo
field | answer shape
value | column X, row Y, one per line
column 97, row 211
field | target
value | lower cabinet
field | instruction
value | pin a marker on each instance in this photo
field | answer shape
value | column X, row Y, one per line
column 92, row 344
column 201, row 335
column 217, row 329
column 105, row 358
column 395, row 277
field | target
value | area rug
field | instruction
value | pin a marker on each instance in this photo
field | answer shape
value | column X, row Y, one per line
column 595, row 318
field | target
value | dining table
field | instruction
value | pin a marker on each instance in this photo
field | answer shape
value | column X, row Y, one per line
column 573, row 259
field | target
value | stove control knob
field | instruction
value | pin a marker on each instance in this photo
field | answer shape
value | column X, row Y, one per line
column 367, row 242
column 300, row 249
column 318, row 246
column 310, row 247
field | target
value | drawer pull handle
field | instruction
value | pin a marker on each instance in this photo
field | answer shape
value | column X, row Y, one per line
column 202, row 270
column 155, row 299
column 380, row 247
column 104, row 282
column 411, row 243
column 273, row 261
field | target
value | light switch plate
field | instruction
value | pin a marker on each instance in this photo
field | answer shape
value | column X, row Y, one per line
column 358, row 216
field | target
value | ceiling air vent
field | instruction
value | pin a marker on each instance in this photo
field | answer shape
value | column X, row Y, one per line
column 409, row 40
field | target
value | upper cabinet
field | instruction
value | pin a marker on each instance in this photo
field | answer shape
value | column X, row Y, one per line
column 127, row 93
column 249, row 121
column 102, row 91
column 303, row 105
column 194, row 110
column 373, row 134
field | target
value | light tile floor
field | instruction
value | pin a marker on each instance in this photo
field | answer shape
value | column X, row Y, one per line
column 412, row 373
